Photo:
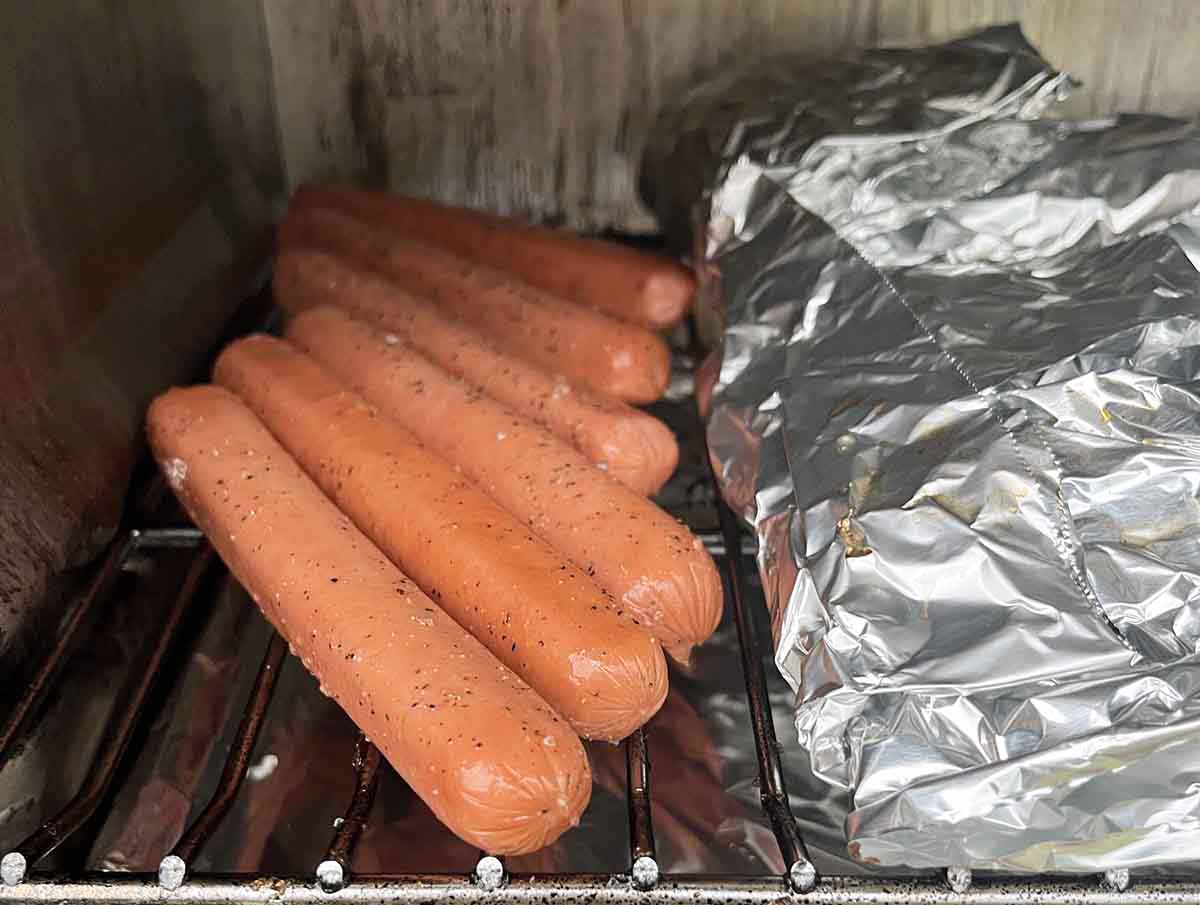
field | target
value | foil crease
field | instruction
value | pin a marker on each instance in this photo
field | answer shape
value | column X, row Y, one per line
column 956, row 401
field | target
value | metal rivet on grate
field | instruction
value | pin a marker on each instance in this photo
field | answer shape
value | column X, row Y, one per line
column 1117, row 879
column 330, row 876
column 171, row 871
column 645, row 873
column 12, row 869
column 958, row 878
column 489, row 873
column 802, row 876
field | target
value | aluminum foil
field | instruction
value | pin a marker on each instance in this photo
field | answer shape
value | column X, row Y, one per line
column 956, row 400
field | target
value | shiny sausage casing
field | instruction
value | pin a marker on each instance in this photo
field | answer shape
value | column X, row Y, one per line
column 536, row 612
column 479, row 746
column 644, row 289
column 653, row 565
column 635, row 448
column 611, row 357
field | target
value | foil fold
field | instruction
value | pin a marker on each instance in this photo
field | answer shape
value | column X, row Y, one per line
column 956, row 399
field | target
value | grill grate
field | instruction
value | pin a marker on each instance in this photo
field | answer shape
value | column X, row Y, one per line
column 642, row 866
column 173, row 869
column 801, row 875
column 58, row 829
column 333, row 872
column 489, row 882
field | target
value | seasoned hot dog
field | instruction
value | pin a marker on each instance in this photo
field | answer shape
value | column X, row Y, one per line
column 640, row 288
column 483, row 750
column 635, row 448
column 650, row 563
column 611, row 357
column 540, row 616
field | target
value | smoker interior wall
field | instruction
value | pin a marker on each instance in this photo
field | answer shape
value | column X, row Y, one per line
column 138, row 153
column 541, row 106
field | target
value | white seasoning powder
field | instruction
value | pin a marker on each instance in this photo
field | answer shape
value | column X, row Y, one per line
column 263, row 769
column 176, row 471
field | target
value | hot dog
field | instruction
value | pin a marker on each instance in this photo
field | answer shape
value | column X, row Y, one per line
column 537, row 613
column 636, row 449
column 482, row 749
column 650, row 563
column 640, row 288
column 609, row 356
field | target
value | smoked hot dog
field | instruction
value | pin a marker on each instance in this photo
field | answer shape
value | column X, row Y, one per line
column 479, row 746
column 611, row 357
column 540, row 615
column 644, row 289
column 654, row 566
column 634, row 447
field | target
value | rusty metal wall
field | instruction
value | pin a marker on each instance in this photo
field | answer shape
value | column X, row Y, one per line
column 138, row 155
column 540, row 106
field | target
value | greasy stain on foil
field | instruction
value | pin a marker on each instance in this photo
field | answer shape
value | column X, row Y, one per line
column 1168, row 527
column 854, row 539
column 977, row 266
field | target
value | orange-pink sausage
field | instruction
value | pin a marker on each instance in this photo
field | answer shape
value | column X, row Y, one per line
column 643, row 289
column 649, row 562
column 480, row 747
column 635, row 448
column 540, row 615
column 611, row 357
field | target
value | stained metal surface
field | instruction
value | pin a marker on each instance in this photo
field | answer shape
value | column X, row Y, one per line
column 113, row 746
column 94, row 595
column 138, row 162
column 234, row 772
column 956, row 400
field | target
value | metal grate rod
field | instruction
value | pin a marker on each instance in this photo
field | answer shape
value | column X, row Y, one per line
column 169, row 538
column 97, row 591
column 643, row 866
column 173, row 868
column 57, row 830
column 801, row 875
column 333, row 873
column 592, row 889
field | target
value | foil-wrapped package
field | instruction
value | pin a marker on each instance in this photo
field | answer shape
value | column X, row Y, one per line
column 957, row 401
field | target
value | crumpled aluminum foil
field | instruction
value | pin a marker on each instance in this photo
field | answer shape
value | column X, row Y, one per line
column 956, row 400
